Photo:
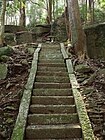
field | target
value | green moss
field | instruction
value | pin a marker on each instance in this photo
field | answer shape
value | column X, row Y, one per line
column 4, row 58
column 6, row 51
column 83, row 117
column 95, row 36
column 3, row 71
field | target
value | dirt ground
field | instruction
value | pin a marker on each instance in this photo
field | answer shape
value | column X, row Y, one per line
column 92, row 87
column 11, row 89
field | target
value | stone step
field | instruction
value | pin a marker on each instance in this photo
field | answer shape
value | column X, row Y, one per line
column 50, row 48
column 57, row 139
column 50, row 52
column 52, row 64
column 51, row 61
column 45, row 68
column 49, row 73
column 52, row 85
column 54, row 79
column 54, row 119
column 51, row 56
column 47, row 51
column 54, row 73
column 53, row 100
column 53, row 131
column 52, row 92
column 52, row 109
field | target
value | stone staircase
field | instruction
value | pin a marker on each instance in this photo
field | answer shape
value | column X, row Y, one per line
column 52, row 112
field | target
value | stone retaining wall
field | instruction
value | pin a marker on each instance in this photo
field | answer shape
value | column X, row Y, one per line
column 95, row 36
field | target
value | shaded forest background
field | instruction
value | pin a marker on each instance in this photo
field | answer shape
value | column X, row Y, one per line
column 71, row 17
column 92, row 11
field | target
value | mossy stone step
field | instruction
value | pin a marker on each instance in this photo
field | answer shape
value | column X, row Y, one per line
column 52, row 85
column 54, row 73
column 54, row 131
column 52, row 109
column 45, row 68
column 51, row 56
column 52, row 92
column 51, row 47
column 50, row 51
column 51, row 61
column 45, row 119
column 58, row 139
column 54, row 79
column 52, row 64
column 53, row 100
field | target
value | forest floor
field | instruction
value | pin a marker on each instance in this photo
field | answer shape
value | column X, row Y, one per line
column 92, row 88
column 11, row 89
column 92, row 85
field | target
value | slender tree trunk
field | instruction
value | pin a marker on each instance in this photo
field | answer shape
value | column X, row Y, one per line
column 84, row 10
column 68, row 29
column 6, row 21
column 47, row 5
column 50, row 10
column 15, row 20
column 86, row 13
column 11, row 20
column 91, row 11
column 2, row 22
column 22, row 21
column 56, row 8
column 77, row 33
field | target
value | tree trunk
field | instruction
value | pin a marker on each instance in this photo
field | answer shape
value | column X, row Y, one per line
column 50, row 11
column 86, row 13
column 93, row 11
column 84, row 10
column 2, row 23
column 91, row 4
column 68, row 29
column 77, row 34
column 53, row 10
column 56, row 8
column 22, row 21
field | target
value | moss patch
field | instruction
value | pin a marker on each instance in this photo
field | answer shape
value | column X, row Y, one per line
column 3, row 71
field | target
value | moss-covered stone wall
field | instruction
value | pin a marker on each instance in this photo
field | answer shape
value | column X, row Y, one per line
column 13, row 28
column 95, row 36
column 59, row 30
